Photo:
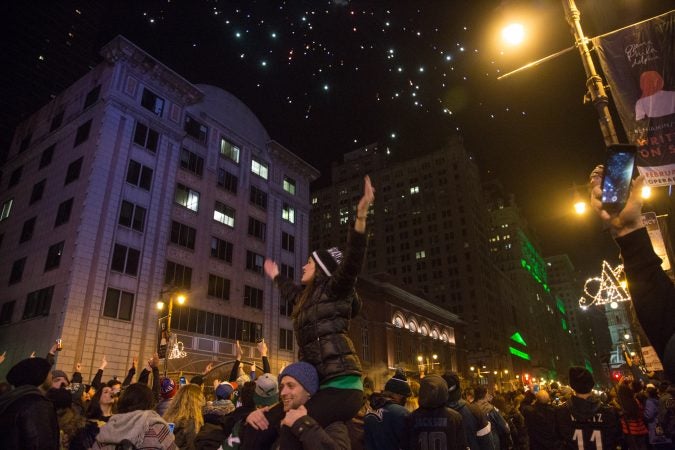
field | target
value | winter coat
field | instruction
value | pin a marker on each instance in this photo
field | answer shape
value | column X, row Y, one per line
column 586, row 419
column 657, row 432
column 321, row 321
column 540, row 423
column 27, row 420
column 500, row 429
column 384, row 426
column 433, row 425
column 652, row 294
column 143, row 428
column 477, row 427
column 307, row 434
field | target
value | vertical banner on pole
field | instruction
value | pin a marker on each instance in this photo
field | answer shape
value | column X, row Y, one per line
column 162, row 337
column 639, row 63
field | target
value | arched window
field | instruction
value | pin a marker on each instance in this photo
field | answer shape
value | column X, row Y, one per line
column 398, row 321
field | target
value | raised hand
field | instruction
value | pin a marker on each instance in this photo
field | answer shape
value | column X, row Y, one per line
column 134, row 361
column 271, row 268
column 262, row 347
column 104, row 363
column 78, row 367
column 629, row 218
column 367, row 199
column 237, row 351
column 154, row 361
column 2, row 357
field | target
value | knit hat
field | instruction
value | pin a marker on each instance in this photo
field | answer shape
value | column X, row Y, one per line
column 61, row 398
column 581, row 380
column 454, row 391
column 60, row 374
column 304, row 373
column 225, row 389
column 167, row 388
column 433, row 391
column 266, row 390
column 398, row 384
column 328, row 260
column 31, row 371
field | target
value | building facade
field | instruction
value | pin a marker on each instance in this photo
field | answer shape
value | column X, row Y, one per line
column 130, row 186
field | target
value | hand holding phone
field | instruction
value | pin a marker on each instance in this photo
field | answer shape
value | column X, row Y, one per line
column 617, row 176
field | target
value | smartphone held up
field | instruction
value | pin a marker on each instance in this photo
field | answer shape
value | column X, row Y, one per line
column 617, row 176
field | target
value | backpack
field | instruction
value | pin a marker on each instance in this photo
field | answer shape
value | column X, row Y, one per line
column 232, row 441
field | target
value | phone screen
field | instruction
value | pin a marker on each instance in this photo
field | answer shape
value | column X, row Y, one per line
column 182, row 381
column 617, row 176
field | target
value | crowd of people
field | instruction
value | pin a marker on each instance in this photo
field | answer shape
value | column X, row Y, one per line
column 325, row 401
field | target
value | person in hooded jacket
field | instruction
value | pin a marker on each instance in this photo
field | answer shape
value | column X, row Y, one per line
column 433, row 425
column 477, row 427
column 584, row 422
column 27, row 418
column 135, row 423
column 384, row 425
column 323, row 306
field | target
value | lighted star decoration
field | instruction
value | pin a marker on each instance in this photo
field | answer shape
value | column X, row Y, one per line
column 177, row 351
column 607, row 288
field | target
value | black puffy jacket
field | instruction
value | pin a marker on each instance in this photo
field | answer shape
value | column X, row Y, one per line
column 321, row 322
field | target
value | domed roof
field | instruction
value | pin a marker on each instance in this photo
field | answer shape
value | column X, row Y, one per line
column 232, row 113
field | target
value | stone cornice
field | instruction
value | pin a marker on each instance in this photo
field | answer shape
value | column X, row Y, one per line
column 121, row 49
column 293, row 160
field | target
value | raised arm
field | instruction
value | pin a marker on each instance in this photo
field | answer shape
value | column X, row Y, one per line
column 364, row 204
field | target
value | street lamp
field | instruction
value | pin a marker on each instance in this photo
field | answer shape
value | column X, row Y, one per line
column 165, row 334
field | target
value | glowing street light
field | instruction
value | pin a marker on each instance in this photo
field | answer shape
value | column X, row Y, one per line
column 646, row 192
column 165, row 334
column 580, row 207
column 513, row 34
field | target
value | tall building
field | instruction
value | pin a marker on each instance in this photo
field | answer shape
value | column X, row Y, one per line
column 134, row 184
column 590, row 336
column 539, row 332
column 429, row 230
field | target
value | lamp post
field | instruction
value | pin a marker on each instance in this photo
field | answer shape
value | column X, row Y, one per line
column 166, row 334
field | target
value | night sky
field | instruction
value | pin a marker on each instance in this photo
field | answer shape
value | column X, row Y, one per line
column 326, row 77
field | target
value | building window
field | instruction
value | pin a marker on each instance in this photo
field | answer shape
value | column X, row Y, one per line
column 289, row 185
column 227, row 181
column 27, row 230
column 253, row 297
column 54, row 256
column 118, row 304
column 421, row 254
column 6, row 312
column 191, row 162
column 146, row 137
column 25, row 142
column 287, row 242
column 223, row 214
column 287, row 271
column 17, row 270
column 132, row 216
column 57, row 120
column 196, row 129
column 254, row 261
column 288, row 213
column 258, row 198
column 187, row 197
column 221, row 249
column 6, row 209
column 92, row 96
column 178, row 275
column 256, row 228
column 139, row 175
column 46, row 157
column 73, row 172
column 38, row 303
column 15, row 177
column 259, row 168
column 183, row 235
column 63, row 213
column 152, row 102
column 38, row 190
column 194, row 320
column 285, row 307
column 82, row 133
column 398, row 346
column 229, row 150
column 286, row 339
column 125, row 260
column 219, row 287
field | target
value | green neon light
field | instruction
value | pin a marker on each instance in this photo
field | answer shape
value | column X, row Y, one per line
column 561, row 305
column 588, row 366
column 518, row 338
column 519, row 354
column 564, row 324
